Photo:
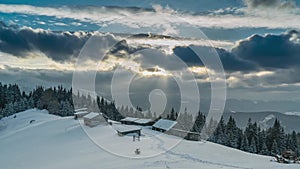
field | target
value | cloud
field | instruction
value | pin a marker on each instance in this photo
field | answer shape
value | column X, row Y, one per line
column 258, row 61
column 271, row 51
column 59, row 46
column 164, row 20
column 264, row 80
column 146, row 55
column 254, row 53
column 283, row 4
column 277, row 60
column 230, row 61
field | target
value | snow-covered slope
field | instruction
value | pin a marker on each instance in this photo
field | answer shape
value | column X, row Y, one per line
column 61, row 143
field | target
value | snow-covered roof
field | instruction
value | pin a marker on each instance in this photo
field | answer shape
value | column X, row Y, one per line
column 165, row 124
column 113, row 122
column 126, row 128
column 91, row 115
column 81, row 112
column 130, row 119
column 143, row 121
column 81, row 109
column 137, row 120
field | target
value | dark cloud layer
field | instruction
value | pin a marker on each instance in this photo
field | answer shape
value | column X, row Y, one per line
column 59, row 46
column 271, row 51
column 230, row 61
column 254, row 53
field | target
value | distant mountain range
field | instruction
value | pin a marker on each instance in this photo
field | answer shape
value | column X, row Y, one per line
column 265, row 119
column 262, row 112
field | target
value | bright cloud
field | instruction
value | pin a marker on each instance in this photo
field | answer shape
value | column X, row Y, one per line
column 164, row 19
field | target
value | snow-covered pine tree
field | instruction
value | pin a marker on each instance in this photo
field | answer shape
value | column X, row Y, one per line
column 264, row 150
column 149, row 114
column 8, row 109
column 199, row 122
column 274, row 149
column 233, row 133
column 261, row 140
column 294, row 141
column 218, row 136
column 245, row 144
column 252, row 147
column 276, row 133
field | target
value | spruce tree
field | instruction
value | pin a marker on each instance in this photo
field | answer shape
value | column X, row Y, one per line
column 172, row 115
column 294, row 142
column 264, row 150
column 219, row 134
column 232, row 133
column 199, row 122
column 245, row 144
column 252, row 147
column 274, row 149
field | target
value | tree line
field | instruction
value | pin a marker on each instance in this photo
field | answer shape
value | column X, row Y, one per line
column 253, row 139
column 57, row 100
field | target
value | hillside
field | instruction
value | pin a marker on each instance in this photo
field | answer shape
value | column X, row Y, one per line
column 54, row 142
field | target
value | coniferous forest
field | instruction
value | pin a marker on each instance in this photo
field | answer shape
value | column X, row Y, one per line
column 252, row 139
column 59, row 101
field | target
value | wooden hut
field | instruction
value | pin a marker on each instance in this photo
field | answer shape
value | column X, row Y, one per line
column 126, row 129
column 172, row 128
column 80, row 114
column 144, row 122
column 93, row 119
column 188, row 135
column 128, row 120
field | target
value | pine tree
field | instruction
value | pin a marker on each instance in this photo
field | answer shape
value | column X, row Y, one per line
column 252, row 147
column 264, row 150
column 261, row 140
column 218, row 135
column 199, row 122
column 30, row 103
column 66, row 109
column 185, row 120
column 233, row 133
column 252, row 131
column 213, row 128
column 245, row 144
column 130, row 112
column 172, row 115
column 274, row 149
column 276, row 133
column 9, row 109
column 149, row 115
column 294, row 142
column 53, row 107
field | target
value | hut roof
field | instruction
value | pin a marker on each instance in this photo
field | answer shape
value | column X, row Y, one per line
column 126, row 128
column 143, row 121
column 130, row 119
column 81, row 109
column 164, row 124
column 91, row 115
column 81, row 112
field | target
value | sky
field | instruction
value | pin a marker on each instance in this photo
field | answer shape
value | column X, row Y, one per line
column 241, row 50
